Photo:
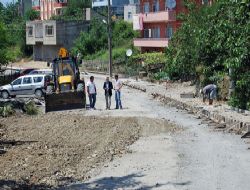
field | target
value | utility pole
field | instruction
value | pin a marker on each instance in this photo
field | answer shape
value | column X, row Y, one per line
column 110, row 39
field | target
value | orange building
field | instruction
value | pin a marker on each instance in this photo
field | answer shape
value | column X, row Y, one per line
column 157, row 22
column 49, row 8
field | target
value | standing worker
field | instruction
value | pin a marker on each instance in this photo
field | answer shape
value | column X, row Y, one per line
column 118, row 86
column 108, row 87
column 91, row 90
column 209, row 92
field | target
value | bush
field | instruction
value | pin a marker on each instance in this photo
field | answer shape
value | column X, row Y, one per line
column 30, row 108
column 161, row 76
column 211, row 41
column 6, row 110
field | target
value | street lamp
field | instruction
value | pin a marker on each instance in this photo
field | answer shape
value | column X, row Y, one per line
column 110, row 39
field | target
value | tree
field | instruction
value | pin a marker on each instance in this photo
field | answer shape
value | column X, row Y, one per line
column 3, row 44
column 211, row 40
column 74, row 11
column 32, row 14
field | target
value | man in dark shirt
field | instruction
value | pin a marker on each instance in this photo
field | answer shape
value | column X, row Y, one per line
column 209, row 92
column 107, row 87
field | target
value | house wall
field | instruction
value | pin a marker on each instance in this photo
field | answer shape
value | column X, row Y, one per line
column 162, row 24
column 47, row 39
column 65, row 33
column 45, row 52
column 127, row 9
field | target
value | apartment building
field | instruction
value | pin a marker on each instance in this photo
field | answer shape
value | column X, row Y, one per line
column 48, row 36
column 49, row 8
column 157, row 22
column 117, row 6
column 131, row 9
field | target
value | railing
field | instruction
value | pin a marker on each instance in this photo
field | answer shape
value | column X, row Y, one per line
column 162, row 16
column 151, row 42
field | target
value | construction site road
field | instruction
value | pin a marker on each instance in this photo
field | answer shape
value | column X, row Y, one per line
column 195, row 157
column 147, row 145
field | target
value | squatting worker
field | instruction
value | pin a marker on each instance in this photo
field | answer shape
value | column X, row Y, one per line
column 118, row 87
column 108, row 87
column 209, row 92
column 91, row 90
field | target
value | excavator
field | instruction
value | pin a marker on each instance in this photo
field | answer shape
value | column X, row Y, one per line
column 65, row 93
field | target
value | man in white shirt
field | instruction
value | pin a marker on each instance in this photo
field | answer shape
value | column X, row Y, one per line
column 118, row 86
column 91, row 90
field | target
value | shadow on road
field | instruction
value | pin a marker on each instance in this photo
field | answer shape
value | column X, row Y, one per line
column 110, row 183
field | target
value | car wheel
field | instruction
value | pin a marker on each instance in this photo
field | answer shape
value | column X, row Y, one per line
column 5, row 95
column 39, row 93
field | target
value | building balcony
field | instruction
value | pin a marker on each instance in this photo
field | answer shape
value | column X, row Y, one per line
column 37, row 8
column 61, row 4
column 151, row 42
column 162, row 16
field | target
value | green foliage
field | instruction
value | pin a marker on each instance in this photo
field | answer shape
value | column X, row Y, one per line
column 94, row 44
column 6, row 110
column 150, row 58
column 31, row 108
column 12, row 34
column 74, row 10
column 211, row 40
column 3, row 44
column 32, row 14
column 89, row 43
column 161, row 75
column 123, row 32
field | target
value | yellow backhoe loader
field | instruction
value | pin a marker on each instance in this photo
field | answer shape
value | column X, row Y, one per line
column 64, row 88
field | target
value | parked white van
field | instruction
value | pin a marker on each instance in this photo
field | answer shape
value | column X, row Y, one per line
column 26, row 85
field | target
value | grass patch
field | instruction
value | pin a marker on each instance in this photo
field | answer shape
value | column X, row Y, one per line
column 30, row 108
column 6, row 110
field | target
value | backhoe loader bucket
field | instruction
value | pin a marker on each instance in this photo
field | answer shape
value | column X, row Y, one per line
column 64, row 101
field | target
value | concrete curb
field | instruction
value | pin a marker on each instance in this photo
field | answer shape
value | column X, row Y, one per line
column 228, row 124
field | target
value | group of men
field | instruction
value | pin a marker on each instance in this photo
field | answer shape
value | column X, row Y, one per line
column 108, row 88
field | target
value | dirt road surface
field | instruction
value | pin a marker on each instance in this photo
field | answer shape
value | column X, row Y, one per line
column 134, row 148
column 195, row 157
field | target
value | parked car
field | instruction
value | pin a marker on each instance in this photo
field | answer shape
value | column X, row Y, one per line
column 26, row 85
column 41, row 71
column 26, row 71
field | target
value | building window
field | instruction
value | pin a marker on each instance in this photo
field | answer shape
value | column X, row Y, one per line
column 35, row 3
column 156, row 32
column 156, row 6
column 30, row 31
column 169, row 31
column 147, row 33
column 146, row 7
column 204, row 2
column 171, row 4
column 129, row 15
column 49, row 30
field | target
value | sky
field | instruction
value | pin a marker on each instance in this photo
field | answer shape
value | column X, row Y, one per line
column 6, row 1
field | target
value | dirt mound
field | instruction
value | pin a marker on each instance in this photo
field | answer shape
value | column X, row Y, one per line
column 52, row 150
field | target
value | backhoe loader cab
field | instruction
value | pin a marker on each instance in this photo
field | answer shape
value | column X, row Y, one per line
column 66, row 74
column 66, row 77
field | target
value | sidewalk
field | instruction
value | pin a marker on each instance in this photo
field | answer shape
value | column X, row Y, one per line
column 219, row 113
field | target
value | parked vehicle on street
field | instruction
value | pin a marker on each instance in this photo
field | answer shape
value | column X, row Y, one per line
column 41, row 71
column 26, row 85
column 26, row 71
